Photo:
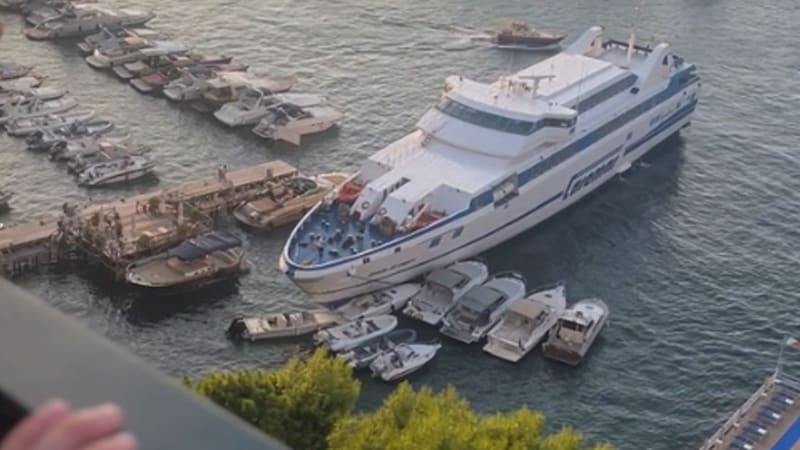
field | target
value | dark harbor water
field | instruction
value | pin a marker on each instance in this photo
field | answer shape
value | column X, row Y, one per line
column 694, row 250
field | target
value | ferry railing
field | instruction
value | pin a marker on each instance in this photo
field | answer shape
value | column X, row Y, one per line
column 44, row 354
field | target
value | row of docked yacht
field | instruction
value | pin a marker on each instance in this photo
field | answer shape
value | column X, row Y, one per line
column 51, row 121
column 65, row 19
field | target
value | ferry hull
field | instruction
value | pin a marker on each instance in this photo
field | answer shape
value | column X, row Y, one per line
column 481, row 231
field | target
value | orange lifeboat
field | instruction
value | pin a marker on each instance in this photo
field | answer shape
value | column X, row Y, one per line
column 349, row 192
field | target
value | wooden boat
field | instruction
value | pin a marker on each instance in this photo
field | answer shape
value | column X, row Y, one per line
column 280, row 325
column 576, row 331
column 285, row 201
column 207, row 259
column 518, row 35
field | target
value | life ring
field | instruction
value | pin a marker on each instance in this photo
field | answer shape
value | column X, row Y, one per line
column 382, row 212
column 365, row 205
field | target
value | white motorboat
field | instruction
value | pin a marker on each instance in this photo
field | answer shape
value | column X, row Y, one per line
column 403, row 360
column 25, row 127
column 155, row 58
column 381, row 302
column 360, row 357
column 576, row 331
column 525, row 323
column 9, row 71
column 55, row 140
column 36, row 108
column 81, row 147
column 84, row 19
column 20, row 84
column 280, row 325
column 253, row 105
column 482, row 307
column 290, row 122
column 112, row 37
column 352, row 334
column 190, row 86
column 101, row 151
column 491, row 160
column 133, row 49
column 229, row 85
column 120, row 170
column 32, row 94
column 443, row 288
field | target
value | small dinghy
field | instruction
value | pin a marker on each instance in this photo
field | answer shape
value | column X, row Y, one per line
column 36, row 108
column 443, row 288
column 120, row 170
column 20, row 84
column 525, row 324
column 28, row 95
column 273, row 326
column 352, row 334
column 25, row 127
column 9, row 71
column 361, row 357
column 576, row 331
column 381, row 302
column 403, row 360
column 55, row 140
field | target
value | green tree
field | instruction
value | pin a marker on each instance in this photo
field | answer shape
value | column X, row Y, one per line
column 297, row 404
column 427, row 421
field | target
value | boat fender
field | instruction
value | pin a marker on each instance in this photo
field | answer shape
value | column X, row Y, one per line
column 365, row 205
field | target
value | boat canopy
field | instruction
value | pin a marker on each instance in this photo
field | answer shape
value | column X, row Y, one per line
column 481, row 298
column 447, row 278
column 205, row 244
column 527, row 308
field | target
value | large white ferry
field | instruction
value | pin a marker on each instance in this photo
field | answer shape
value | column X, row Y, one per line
column 490, row 161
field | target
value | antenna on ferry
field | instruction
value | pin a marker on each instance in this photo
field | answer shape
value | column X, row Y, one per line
column 632, row 39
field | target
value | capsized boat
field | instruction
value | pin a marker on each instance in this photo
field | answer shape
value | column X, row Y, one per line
column 350, row 335
column 403, row 360
column 525, row 323
column 290, row 122
column 120, row 170
column 518, row 35
column 361, row 356
column 24, row 127
column 576, row 331
column 36, row 108
column 384, row 301
column 482, row 307
column 443, row 288
column 84, row 19
column 10, row 71
column 280, row 325
column 286, row 200
column 252, row 105
column 204, row 260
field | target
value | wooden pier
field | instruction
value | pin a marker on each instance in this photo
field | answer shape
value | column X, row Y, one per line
column 120, row 232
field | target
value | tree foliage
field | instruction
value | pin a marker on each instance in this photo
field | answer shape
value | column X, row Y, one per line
column 427, row 421
column 297, row 404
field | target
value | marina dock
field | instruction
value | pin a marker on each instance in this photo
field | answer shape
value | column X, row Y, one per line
column 120, row 232
column 768, row 420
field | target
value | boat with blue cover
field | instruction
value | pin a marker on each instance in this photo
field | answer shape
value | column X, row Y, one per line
column 210, row 258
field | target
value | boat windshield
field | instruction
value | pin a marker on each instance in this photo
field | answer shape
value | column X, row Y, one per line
column 574, row 326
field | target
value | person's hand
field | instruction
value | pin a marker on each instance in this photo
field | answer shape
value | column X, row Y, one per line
column 55, row 426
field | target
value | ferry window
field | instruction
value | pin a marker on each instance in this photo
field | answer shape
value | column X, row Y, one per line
column 457, row 233
column 397, row 249
column 484, row 119
column 365, row 260
column 435, row 241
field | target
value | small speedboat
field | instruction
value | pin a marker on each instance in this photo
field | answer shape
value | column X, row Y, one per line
column 9, row 71
column 122, row 170
column 36, row 108
column 525, row 323
column 280, row 325
column 25, row 127
column 229, row 85
column 95, row 152
column 111, row 37
column 443, row 288
column 360, row 357
column 403, row 360
column 290, row 122
column 482, row 307
column 252, row 105
column 352, row 334
column 576, row 331
column 381, row 302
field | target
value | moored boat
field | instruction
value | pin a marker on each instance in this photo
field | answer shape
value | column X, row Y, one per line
column 10, row 71
column 380, row 302
column 85, row 19
column 280, row 325
column 525, row 323
column 361, row 356
column 131, row 50
column 576, row 331
column 88, row 152
column 482, row 307
column 403, row 360
column 518, row 35
column 290, row 122
column 114, row 36
column 350, row 335
column 443, row 288
column 120, row 170
column 229, row 85
column 30, row 95
column 204, row 260
column 20, row 84
column 285, row 201
column 24, row 127
column 36, row 108
column 53, row 139
column 252, row 105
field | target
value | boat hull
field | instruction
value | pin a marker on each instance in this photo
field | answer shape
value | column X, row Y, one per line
column 122, row 178
column 483, row 229
column 227, row 275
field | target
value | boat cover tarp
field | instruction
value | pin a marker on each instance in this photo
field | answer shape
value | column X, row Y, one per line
column 205, row 244
column 446, row 278
column 480, row 298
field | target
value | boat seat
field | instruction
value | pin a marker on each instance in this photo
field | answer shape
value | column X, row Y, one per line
column 743, row 442
column 755, row 428
column 768, row 416
column 789, row 400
